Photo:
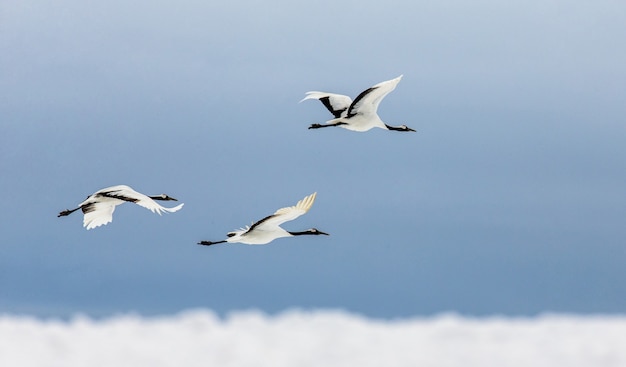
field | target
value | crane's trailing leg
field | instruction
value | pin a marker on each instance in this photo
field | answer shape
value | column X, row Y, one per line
column 67, row 212
column 209, row 243
column 317, row 126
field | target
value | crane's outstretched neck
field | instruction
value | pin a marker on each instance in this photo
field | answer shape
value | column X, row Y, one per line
column 162, row 197
column 312, row 231
column 399, row 128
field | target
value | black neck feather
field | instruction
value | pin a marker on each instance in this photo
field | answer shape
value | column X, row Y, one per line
column 395, row 128
column 302, row 233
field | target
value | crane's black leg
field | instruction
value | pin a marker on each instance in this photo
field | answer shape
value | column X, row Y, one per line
column 67, row 212
column 318, row 126
column 209, row 243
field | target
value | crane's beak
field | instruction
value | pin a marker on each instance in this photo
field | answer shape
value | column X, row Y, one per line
column 320, row 232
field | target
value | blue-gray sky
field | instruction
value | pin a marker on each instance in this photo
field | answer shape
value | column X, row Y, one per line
column 509, row 199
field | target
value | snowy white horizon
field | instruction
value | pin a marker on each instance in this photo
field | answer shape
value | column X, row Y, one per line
column 313, row 338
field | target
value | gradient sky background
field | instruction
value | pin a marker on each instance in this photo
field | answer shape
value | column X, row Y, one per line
column 510, row 198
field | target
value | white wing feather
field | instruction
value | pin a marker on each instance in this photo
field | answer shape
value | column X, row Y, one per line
column 337, row 103
column 154, row 207
column 101, row 214
column 368, row 104
column 286, row 214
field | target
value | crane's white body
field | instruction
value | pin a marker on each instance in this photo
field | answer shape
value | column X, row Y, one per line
column 268, row 229
column 360, row 114
column 98, row 208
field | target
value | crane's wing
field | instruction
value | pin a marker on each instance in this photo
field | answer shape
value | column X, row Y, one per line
column 335, row 103
column 125, row 193
column 156, row 208
column 97, row 214
column 367, row 102
column 283, row 215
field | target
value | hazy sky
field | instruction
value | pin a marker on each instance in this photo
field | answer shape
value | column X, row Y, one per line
column 509, row 199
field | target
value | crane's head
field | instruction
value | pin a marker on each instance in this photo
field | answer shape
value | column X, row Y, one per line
column 399, row 128
column 162, row 197
column 316, row 231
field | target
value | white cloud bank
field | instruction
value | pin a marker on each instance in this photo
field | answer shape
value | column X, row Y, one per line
column 320, row 338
